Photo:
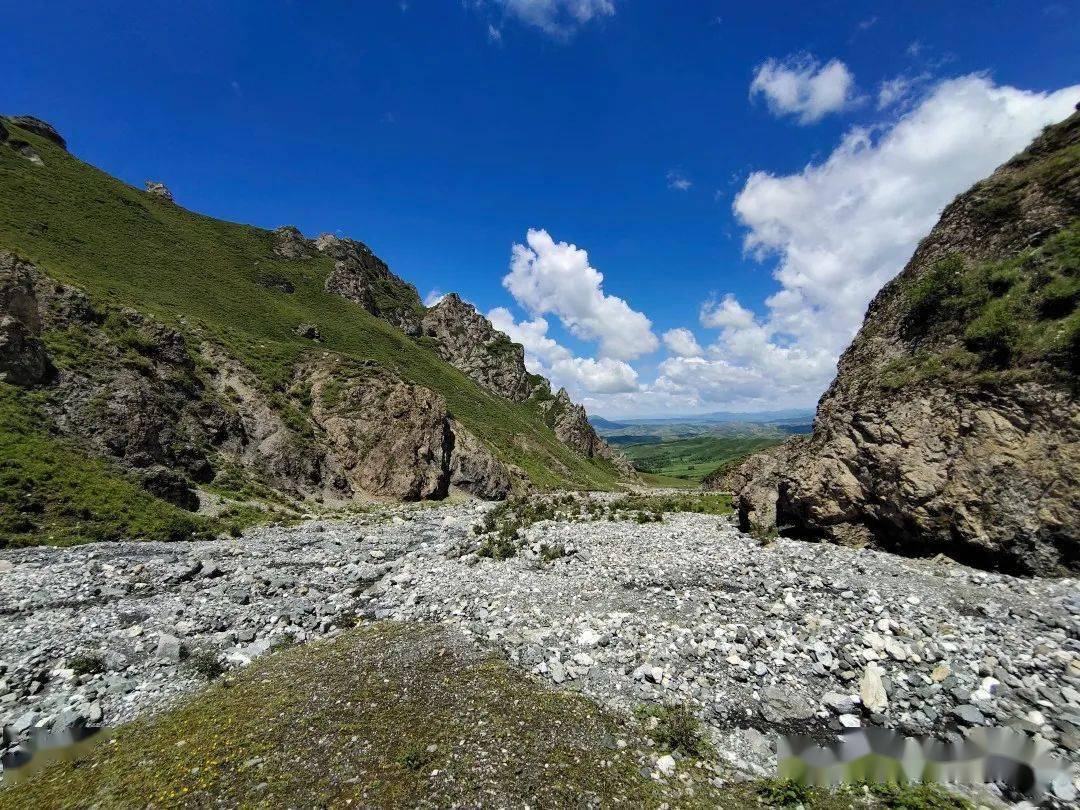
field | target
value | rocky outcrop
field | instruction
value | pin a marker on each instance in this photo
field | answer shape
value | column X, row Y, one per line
column 23, row 359
column 953, row 424
column 19, row 145
column 289, row 243
column 386, row 436
column 364, row 278
column 571, row 425
column 467, row 340
column 159, row 190
column 38, row 127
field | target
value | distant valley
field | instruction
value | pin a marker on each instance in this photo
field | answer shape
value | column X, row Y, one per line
column 681, row 451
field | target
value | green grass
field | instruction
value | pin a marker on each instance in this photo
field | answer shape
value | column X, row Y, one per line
column 995, row 322
column 208, row 277
column 50, row 491
column 692, row 459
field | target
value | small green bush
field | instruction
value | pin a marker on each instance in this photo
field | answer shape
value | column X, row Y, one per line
column 675, row 729
column 89, row 664
column 206, row 665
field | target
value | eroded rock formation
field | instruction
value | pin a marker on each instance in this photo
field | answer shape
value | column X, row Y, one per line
column 953, row 424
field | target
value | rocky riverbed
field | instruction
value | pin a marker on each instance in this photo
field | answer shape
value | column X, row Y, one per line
column 791, row 637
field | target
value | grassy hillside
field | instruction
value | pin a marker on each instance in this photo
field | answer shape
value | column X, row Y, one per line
column 128, row 248
column 693, row 459
column 52, row 492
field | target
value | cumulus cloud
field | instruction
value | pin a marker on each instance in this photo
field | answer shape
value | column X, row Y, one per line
column 678, row 181
column 802, row 86
column 549, row 277
column 558, row 18
column 682, row 343
column 724, row 313
column 544, row 355
column 837, row 231
column 434, row 297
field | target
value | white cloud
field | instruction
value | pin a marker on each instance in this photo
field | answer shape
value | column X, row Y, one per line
column 682, row 343
column 559, row 18
column 544, row 355
column 678, row 181
column 434, row 297
column 728, row 312
column 555, row 277
column 900, row 91
column 802, row 86
column 494, row 34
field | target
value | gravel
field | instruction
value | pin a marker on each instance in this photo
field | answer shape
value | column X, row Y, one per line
column 793, row 637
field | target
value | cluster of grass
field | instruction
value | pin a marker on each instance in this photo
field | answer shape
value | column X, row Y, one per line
column 675, row 729
column 997, row 321
column 51, row 491
column 791, row 793
column 692, row 459
column 208, row 276
column 1052, row 161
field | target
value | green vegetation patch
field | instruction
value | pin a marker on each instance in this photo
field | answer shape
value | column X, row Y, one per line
column 500, row 530
column 693, row 458
column 997, row 321
column 385, row 716
column 51, row 491
column 675, row 729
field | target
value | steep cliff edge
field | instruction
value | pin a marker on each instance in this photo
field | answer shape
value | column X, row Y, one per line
column 952, row 425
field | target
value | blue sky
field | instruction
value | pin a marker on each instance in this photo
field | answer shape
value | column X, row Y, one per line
column 441, row 131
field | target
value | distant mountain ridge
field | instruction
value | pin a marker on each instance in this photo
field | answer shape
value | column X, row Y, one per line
column 751, row 417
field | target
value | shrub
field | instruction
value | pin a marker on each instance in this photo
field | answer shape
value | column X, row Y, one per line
column 676, row 729
column 91, row 664
column 993, row 334
column 205, row 663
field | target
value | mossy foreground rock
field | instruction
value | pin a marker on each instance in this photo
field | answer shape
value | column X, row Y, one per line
column 953, row 424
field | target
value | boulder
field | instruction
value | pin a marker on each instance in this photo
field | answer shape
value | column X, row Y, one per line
column 23, row 357
column 289, row 243
column 170, row 485
column 159, row 190
column 309, row 331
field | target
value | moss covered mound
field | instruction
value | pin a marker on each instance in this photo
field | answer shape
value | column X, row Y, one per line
column 386, row 716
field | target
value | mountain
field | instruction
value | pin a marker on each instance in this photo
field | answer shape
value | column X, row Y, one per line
column 601, row 424
column 952, row 425
column 154, row 362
